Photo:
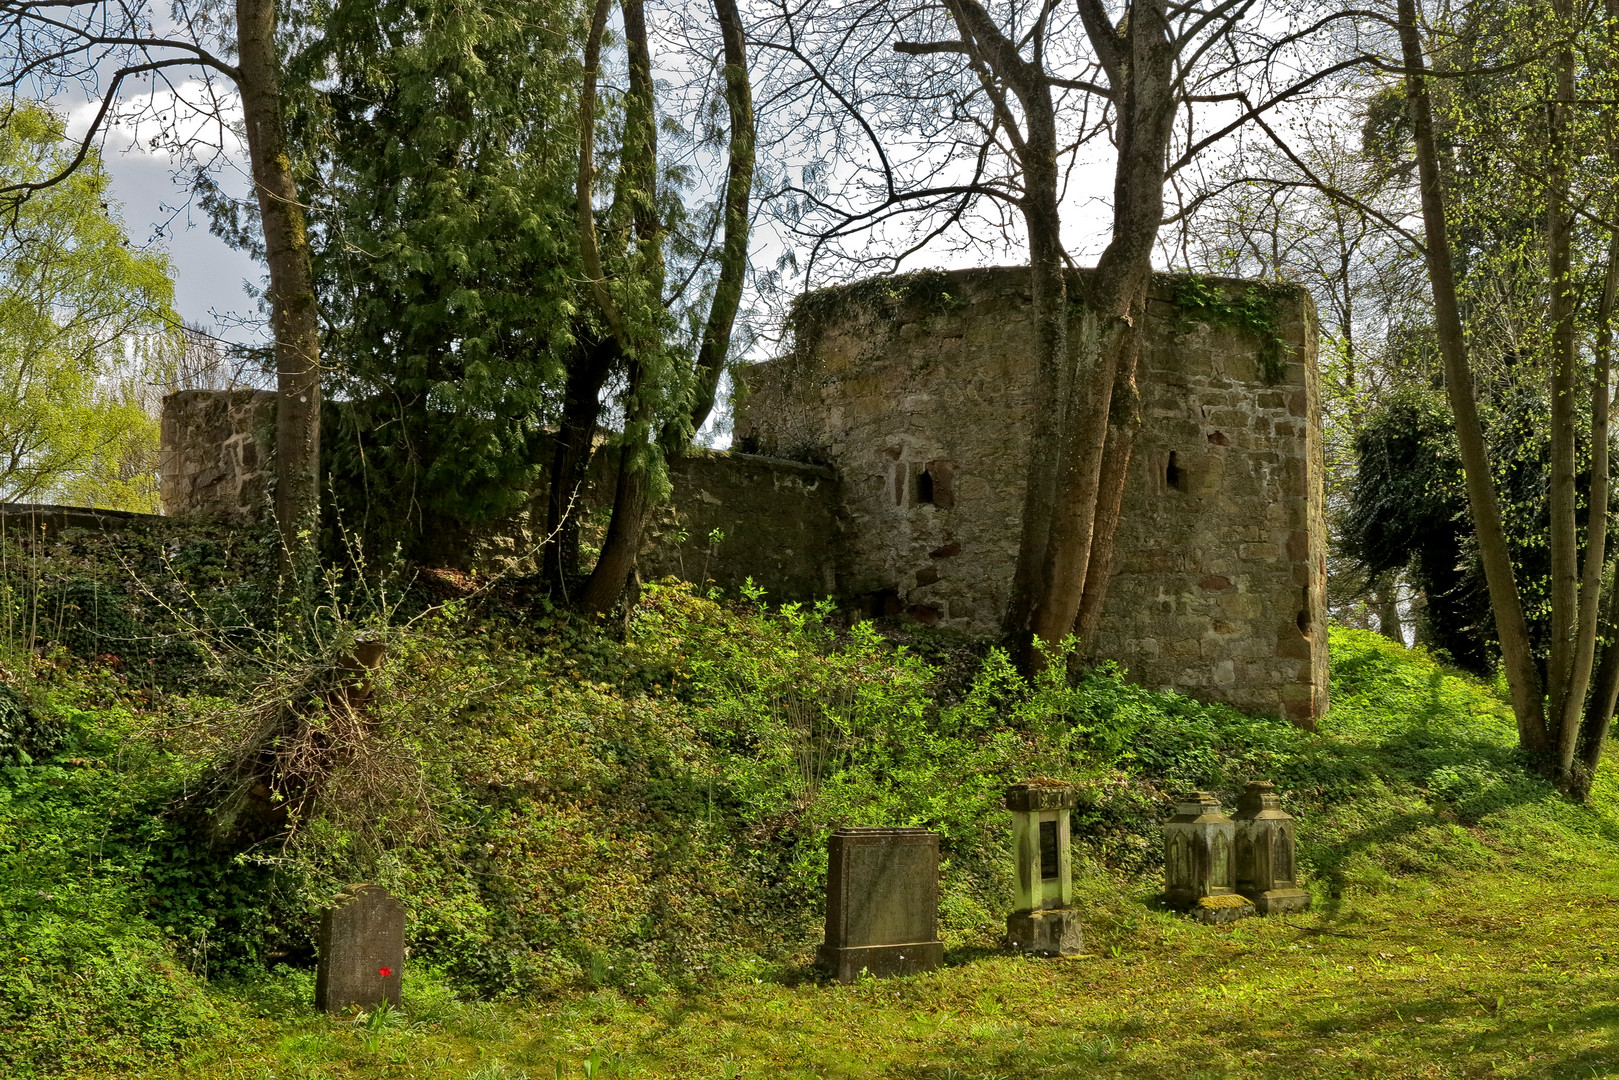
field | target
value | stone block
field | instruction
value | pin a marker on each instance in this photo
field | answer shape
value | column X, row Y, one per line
column 882, row 903
column 361, row 950
column 1052, row 932
column 1266, row 870
column 1219, row 910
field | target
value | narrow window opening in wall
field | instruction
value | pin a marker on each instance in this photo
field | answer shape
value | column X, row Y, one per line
column 924, row 487
column 1304, row 612
column 1174, row 478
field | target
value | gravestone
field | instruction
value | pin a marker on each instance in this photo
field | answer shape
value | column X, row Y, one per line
column 1266, row 872
column 1199, row 850
column 362, row 950
column 882, row 903
column 1042, row 920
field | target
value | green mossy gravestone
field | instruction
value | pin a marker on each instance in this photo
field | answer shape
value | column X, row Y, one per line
column 882, row 903
column 1199, row 849
column 1042, row 920
column 362, row 950
column 1266, row 872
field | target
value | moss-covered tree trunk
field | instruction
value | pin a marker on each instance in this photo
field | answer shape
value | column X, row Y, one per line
column 293, row 316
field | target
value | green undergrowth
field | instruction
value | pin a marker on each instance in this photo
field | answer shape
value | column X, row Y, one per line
column 615, row 842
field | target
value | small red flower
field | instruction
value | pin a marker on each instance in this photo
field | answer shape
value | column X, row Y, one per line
column 385, row 972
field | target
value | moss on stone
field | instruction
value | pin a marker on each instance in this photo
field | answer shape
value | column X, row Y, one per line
column 882, row 298
column 1255, row 310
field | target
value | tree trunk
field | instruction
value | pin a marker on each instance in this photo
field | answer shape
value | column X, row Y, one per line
column 738, row 187
column 623, row 542
column 636, row 332
column 293, row 317
column 1123, row 424
column 1569, row 667
column 1523, row 677
column 570, row 462
column 1116, row 295
column 1605, row 687
column 994, row 55
column 1388, row 608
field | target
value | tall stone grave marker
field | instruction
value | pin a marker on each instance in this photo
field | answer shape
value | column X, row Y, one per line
column 1199, row 843
column 1042, row 920
column 882, row 903
column 1265, row 869
column 362, row 950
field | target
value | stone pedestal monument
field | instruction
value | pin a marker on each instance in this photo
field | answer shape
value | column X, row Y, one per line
column 882, row 903
column 362, row 950
column 1042, row 920
column 1265, row 868
column 1199, row 849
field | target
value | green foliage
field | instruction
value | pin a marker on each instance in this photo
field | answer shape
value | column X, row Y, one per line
column 1255, row 310
column 1407, row 509
column 576, row 812
column 83, row 322
column 438, row 142
column 86, row 973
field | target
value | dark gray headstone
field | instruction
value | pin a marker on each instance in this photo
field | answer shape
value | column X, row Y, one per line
column 882, row 903
column 362, row 950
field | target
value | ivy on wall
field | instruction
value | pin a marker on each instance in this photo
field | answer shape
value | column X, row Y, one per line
column 1255, row 310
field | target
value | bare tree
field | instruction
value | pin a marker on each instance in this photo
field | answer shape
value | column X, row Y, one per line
column 993, row 118
column 112, row 50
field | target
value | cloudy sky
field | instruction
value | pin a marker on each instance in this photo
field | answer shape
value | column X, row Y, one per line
column 210, row 278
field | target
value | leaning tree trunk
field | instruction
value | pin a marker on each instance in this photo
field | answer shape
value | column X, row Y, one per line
column 738, row 189
column 1523, row 677
column 293, row 316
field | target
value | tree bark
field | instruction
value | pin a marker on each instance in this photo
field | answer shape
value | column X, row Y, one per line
column 1523, row 677
column 293, row 316
column 994, row 56
column 1573, row 607
column 637, row 337
column 1123, row 424
column 1388, row 608
column 738, row 188
column 1600, row 702
column 570, row 462
column 623, row 541
column 1142, row 80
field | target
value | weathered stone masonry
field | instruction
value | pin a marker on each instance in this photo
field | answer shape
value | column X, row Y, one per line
column 927, row 411
column 886, row 468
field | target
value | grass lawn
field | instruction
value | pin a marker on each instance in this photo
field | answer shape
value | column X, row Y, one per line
column 1467, row 924
column 1519, row 978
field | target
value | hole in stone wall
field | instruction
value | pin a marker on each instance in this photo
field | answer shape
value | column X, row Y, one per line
column 1304, row 612
column 924, row 487
column 1174, row 478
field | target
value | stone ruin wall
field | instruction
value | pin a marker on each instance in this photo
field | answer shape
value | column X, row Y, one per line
column 889, row 474
column 927, row 412
column 216, row 450
column 778, row 518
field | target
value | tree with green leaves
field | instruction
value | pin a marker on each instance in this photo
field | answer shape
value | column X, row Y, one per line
column 84, row 322
column 435, row 143
column 106, row 50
